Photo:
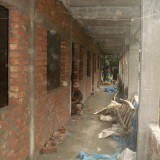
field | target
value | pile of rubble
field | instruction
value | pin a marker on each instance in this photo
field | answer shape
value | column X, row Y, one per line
column 56, row 138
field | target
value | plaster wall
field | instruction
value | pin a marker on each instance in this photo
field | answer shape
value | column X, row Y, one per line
column 149, row 79
column 134, row 54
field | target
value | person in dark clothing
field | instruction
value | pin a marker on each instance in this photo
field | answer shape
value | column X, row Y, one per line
column 76, row 100
column 115, row 73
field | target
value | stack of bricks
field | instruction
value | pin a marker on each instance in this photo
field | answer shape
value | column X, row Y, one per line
column 57, row 137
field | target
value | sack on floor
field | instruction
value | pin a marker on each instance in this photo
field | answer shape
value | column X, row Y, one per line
column 107, row 118
column 115, row 130
column 127, row 155
column 89, row 156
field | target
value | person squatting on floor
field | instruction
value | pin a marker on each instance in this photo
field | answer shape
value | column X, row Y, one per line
column 77, row 97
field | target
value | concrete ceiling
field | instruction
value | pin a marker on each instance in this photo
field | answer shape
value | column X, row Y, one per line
column 107, row 21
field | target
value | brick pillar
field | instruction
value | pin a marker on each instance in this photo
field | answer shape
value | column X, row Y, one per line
column 81, row 71
column 65, row 63
column 15, row 117
column 81, row 61
column 32, row 102
column 76, row 62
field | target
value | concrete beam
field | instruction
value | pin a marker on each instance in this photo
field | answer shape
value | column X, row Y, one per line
column 107, row 29
column 112, row 51
column 112, row 45
column 110, row 39
column 108, row 35
column 107, row 12
column 84, row 3
column 93, row 22
column 22, row 5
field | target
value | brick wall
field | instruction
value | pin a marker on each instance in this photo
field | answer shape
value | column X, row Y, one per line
column 76, row 62
column 82, row 71
column 88, row 76
column 14, row 118
column 52, row 108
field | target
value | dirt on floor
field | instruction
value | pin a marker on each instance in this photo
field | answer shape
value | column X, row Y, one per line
column 83, row 132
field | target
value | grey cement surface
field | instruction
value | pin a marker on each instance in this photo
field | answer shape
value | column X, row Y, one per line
column 99, row 17
column 83, row 132
column 149, row 87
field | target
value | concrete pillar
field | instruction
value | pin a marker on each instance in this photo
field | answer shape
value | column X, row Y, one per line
column 133, row 72
column 32, row 103
column 126, row 61
column 149, row 79
column 125, row 65
column 134, row 65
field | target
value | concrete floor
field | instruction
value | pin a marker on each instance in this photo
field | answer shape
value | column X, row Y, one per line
column 83, row 132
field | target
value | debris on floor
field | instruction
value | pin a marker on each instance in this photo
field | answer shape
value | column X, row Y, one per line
column 89, row 156
column 60, row 135
column 75, row 118
column 107, row 118
column 113, row 106
column 115, row 130
column 100, row 111
column 113, row 89
column 126, row 137
column 49, row 147
column 131, row 140
column 99, row 149
column 127, row 155
column 56, row 138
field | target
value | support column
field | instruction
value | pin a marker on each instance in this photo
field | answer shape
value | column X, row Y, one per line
column 32, row 79
column 149, row 79
column 134, row 65
column 133, row 72
column 76, row 62
column 125, row 61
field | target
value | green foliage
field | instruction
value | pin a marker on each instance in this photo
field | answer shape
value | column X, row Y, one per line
column 113, row 60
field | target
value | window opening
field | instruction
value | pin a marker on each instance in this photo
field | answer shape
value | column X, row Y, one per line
column 53, row 61
column 4, row 14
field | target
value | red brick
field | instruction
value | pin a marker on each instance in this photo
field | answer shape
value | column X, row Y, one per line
column 13, row 47
column 13, row 40
column 16, row 101
column 14, row 13
column 14, row 54
column 14, row 61
column 17, row 94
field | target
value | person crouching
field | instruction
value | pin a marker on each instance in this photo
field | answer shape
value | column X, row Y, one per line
column 77, row 97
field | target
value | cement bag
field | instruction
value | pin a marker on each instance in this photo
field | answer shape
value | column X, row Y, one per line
column 127, row 155
column 107, row 118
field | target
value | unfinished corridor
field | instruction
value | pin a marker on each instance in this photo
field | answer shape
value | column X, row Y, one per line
column 83, row 132
column 48, row 46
